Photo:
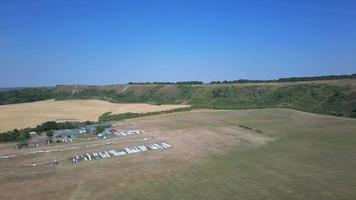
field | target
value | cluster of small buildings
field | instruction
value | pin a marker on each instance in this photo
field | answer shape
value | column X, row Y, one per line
column 119, row 152
column 67, row 135
column 59, row 136
column 117, row 133
column 74, row 132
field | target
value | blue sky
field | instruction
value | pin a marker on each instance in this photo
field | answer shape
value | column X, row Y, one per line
column 103, row 42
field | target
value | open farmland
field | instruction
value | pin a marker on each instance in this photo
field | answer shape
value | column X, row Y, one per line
column 293, row 155
column 31, row 114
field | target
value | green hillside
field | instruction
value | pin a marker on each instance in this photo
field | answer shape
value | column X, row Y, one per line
column 333, row 97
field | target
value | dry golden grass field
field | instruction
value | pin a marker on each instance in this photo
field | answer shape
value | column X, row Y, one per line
column 31, row 114
column 294, row 155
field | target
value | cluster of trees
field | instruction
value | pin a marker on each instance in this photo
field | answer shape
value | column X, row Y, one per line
column 15, row 135
column 242, row 81
column 117, row 117
column 290, row 79
column 11, row 89
column 48, row 127
column 168, row 83
column 190, row 82
column 316, row 78
column 52, row 125
column 25, row 95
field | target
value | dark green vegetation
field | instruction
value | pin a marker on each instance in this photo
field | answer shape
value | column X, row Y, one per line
column 25, row 95
column 291, row 79
column 15, row 135
column 11, row 88
column 249, row 128
column 311, row 157
column 99, row 129
column 168, row 83
column 117, row 117
column 336, row 97
column 24, row 134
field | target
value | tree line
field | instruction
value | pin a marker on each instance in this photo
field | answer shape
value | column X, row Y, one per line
column 290, row 79
column 167, row 83
column 24, row 134
column 117, row 117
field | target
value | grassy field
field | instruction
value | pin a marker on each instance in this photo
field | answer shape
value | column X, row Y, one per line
column 312, row 157
column 297, row 156
column 31, row 114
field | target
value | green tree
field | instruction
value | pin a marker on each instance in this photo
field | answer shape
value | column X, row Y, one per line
column 50, row 125
column 99, row 129
column 49, row 133
column 89, row 123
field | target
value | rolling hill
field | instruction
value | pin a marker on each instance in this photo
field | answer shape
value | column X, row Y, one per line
column 332, row 97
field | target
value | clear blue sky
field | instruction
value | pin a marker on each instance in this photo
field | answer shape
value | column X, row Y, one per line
column 101, row 42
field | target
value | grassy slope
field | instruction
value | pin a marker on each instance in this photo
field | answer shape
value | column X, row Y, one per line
column 311, row 158
column 326, row 97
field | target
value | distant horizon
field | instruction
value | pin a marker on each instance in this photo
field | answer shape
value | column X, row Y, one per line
column 143, row 82
column 46, row 43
